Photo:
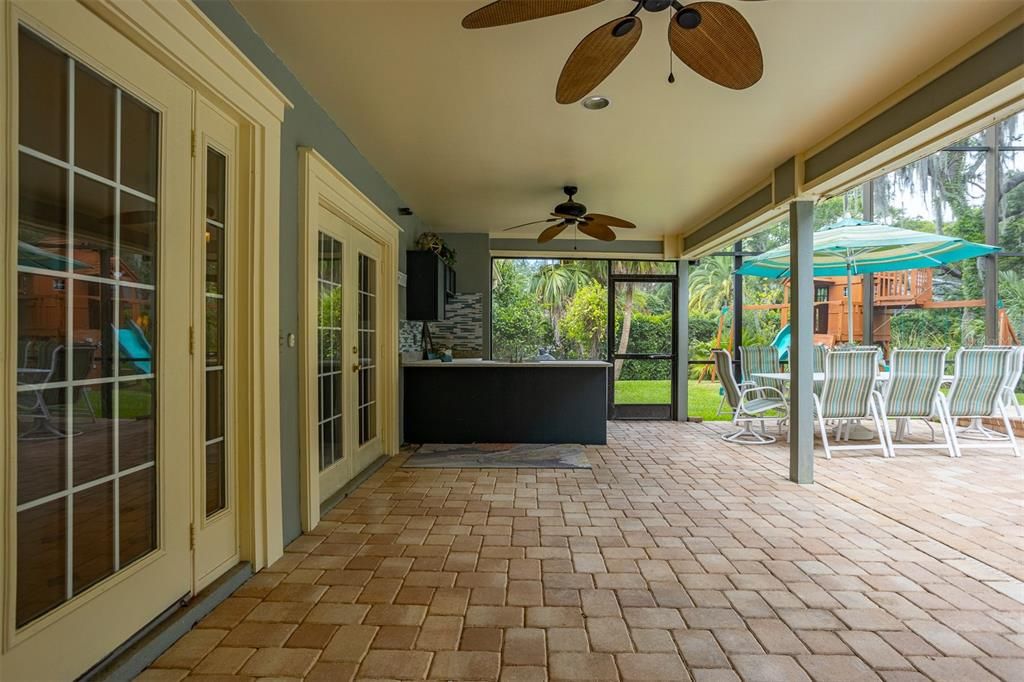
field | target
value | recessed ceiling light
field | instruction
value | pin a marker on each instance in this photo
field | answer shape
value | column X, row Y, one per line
column 596, row 102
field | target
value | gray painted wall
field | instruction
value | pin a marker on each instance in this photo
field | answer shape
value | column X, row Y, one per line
column 473, row 271
column 307, row 125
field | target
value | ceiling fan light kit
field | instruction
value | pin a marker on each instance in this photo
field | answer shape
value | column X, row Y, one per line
column 712, row 38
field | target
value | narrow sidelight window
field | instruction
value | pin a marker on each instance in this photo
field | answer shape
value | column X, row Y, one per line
column 216, row 270
column 329, row 340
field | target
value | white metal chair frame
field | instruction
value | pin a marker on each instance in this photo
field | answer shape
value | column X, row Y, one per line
column 748, row 410
column 939, row 410
column 874, row 408
column 985, row 437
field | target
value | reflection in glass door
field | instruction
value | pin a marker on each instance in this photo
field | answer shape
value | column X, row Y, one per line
column 87, row 361
column 643, row 346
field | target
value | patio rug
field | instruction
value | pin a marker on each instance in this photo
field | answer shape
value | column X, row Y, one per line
column 499, row 456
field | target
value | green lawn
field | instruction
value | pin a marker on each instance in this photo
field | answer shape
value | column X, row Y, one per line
column 704, row 396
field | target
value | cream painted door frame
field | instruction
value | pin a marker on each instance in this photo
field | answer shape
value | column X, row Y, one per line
column 328, row 197
column 167, row 55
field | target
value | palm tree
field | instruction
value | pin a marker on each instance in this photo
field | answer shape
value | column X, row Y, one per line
column 711, row 285
column 635, row 267
column 555, row 284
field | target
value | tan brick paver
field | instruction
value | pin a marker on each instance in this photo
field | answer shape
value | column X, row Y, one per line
column 679, row 556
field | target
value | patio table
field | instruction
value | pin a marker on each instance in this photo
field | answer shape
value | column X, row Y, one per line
column 859, row 431
column 820, row 376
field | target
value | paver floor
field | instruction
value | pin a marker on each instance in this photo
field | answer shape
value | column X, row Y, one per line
column 678, row 557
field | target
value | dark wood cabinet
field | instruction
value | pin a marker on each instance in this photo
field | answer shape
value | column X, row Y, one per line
column 430, row 283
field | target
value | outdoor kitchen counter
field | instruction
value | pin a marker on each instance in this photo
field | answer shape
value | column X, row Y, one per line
column 506, row 402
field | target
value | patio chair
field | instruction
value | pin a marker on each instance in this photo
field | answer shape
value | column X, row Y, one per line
column 725, row 405
column 979, row 392
column 750, row 404
column 761, row 360
column 1013, row 378
column 913, row 393
column 849, row 394
column 820, row 357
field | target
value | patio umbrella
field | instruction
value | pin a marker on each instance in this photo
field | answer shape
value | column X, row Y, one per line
column 855, row 247
column 33, row 256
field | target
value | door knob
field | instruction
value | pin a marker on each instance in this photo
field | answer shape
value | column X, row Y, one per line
column 355, row 366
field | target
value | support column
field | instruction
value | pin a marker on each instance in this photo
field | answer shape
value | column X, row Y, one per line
column 867, row 295
column 801, row 352
column 683, row 341
column 991, row 214
column 737, row 309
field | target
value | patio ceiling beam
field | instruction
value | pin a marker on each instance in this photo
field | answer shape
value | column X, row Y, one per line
column 976, row 86
column 801, row 352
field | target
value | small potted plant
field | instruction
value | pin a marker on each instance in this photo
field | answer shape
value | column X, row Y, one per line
column 431, row 241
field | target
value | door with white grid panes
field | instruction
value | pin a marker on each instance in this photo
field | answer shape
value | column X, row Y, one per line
column 100, row 516
column 348, row 350
column 215, row 239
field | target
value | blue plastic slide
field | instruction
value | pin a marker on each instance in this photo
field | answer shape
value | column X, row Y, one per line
column 135, row 348
column 781, row 343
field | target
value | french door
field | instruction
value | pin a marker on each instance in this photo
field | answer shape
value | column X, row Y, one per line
column 348, row 344
column 100, row 513
column 215, row 512
column 125, row 496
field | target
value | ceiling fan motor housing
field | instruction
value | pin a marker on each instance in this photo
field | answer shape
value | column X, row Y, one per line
column 571, row 208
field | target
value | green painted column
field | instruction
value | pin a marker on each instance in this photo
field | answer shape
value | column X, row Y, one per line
column 801, row 352
column 683, row 341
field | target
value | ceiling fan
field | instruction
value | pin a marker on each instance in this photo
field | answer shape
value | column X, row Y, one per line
column 573, row 213
column 712, row 38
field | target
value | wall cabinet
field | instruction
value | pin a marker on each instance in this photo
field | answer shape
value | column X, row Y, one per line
column 430, row 283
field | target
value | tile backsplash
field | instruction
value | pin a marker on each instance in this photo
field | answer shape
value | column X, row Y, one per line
column 462, row 329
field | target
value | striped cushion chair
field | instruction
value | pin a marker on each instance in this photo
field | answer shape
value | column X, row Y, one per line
column 849, row 393
column 913, row 393
column 820, row 356
column 1013, row 378
column 978, row 392
column 761, row 359
column 749, row 404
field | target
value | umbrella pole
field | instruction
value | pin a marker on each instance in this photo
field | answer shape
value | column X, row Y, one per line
column 849, row 300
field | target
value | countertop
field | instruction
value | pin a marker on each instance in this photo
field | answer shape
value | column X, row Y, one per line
column 486, row 364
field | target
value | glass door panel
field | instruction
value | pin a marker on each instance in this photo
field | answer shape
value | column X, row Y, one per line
column 367, row 344
column 86, row 362
column 643, row 344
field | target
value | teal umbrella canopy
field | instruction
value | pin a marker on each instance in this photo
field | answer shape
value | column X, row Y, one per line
column 854, row 247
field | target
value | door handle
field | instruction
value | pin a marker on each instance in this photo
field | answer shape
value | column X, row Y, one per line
column 355, row 366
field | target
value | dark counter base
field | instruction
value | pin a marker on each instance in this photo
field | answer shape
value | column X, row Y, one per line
column 506, row 405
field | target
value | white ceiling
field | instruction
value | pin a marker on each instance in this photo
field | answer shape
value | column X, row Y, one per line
column 465, row 127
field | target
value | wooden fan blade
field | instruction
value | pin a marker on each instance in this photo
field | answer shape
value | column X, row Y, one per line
column 722, row 48
column 552, row 232
column 535, row 222
column 595, row 57
column 504, row 12
column 609, row 220
column 597, row 231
